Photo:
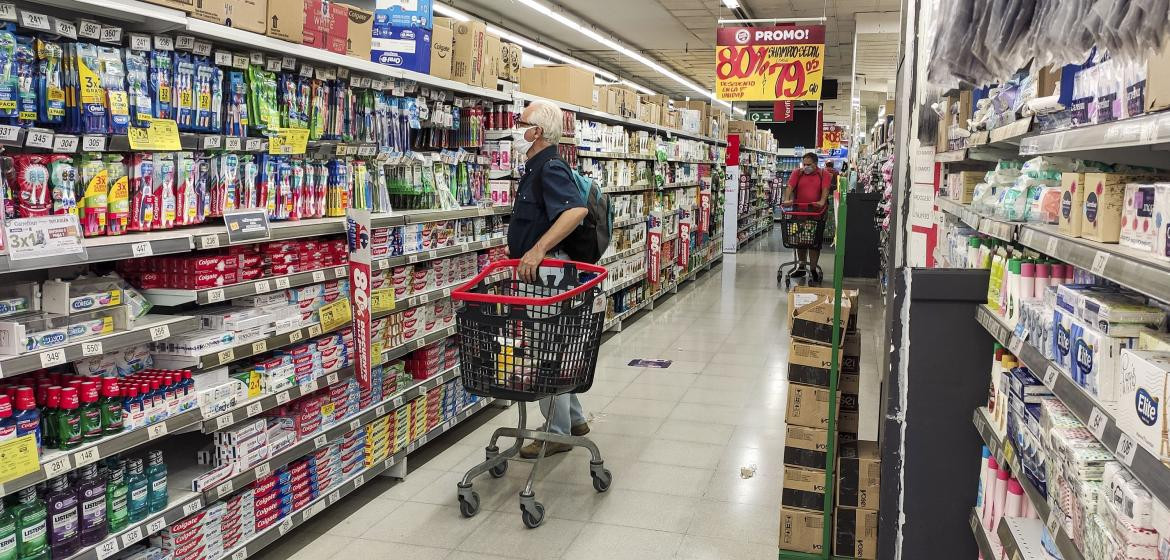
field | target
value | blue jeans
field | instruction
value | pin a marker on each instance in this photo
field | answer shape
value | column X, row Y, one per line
column 567, row 414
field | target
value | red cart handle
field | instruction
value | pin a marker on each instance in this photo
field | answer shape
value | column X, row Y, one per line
column 794, row 213
column 464, row 292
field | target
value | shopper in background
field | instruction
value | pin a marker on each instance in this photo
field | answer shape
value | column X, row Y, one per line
column 832, row 169
column 808, row 186
column 547, row 208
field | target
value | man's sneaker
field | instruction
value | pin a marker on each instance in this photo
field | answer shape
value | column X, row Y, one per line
column 580, row 429
column 531, row 450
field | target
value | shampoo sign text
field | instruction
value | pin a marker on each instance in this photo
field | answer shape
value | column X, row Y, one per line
column 784, row 62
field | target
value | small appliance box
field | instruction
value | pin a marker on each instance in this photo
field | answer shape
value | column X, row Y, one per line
column 801, row 531
column 807, row 406
column 806, row 447
column 809, row 364
column 404, row 13
column 803, row 489
column 855, row 533
column 1144, row 392
column 859, row 473
column 1137, row 217
column 1072, row 203
column 1104, row 198
column 408, row 48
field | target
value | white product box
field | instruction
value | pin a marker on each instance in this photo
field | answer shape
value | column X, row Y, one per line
column 1137, row 217
column 1145, row 387
column 1089, row 356
column 1161, row 223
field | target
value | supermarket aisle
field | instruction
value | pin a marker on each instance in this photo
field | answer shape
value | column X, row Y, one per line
column 695, row 450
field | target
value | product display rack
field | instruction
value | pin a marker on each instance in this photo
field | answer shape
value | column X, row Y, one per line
column 981, row 539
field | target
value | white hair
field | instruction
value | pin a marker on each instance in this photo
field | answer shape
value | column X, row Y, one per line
column 548, row 117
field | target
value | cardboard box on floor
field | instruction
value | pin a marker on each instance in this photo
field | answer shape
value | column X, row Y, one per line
column 561, row 82
column 807, row 406
column 803, row 489
column 851, row 351
column 855, row 533
column 801, row 531
column 805, row 447
column 809, row 363
column 811, row 313
column 859, row 474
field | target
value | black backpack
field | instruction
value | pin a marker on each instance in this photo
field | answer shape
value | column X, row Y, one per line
column 591, row 238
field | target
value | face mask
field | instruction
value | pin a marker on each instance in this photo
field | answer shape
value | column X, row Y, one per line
column 809, row 169
column 521, row 142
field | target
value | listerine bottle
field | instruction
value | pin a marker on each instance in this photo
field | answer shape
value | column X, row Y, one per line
column 116, row 499
column 8, row 549
column 91, row 493
column 31, row 528
column 156, row 477
column 138, row 489
column 61, row 505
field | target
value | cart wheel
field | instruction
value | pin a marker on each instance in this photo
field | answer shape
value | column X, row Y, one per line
column 469, row 506
column 533, row 518
column 499, row 470
column 779, row 276
column 601, row 480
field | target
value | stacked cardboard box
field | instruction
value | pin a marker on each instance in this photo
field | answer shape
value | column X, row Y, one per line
column 858, row 486
column 402, row 35
column 561, row 82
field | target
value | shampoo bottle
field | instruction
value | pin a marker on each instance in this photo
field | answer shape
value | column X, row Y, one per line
column 91, row 492
column 31, row 527
column 61, row 502
column 138, row 489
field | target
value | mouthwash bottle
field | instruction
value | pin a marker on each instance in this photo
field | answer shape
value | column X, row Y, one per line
column 7, row 424
column 156, row 477
column 110, row 405
column 28, row 420
column 49, row 416
column 116, row 499
column 138, row 488
column 68, row 420
column 29, row 514
column 61, row 502
column 132, row 412
column 7, row 535
column 90, row 413
column 91, row 492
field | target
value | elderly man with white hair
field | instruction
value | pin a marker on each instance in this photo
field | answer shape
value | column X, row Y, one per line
column 547, row 208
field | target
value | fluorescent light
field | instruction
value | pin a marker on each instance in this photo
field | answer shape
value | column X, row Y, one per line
column 550, row 53
column 731, row 4
column 771, row 20
column 638, row 87
column 451, row 12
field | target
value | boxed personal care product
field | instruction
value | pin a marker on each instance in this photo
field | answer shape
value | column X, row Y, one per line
column 1104, row 198
column 855, row 533
column 803, row 489
column 859, row 472
column 1156, row 341
column 442, row 47
column 1093, row 359
column 1161, row 221
column 805, row 447
column 961, row 186
column 408, row 48
column 1138, row 228
column 1072, row 203
column 809, row 364
column 404, row 13
column 801, row 531
column 1141, row 405
column 807, row 406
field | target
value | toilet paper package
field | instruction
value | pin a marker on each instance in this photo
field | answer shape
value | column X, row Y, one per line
column 1094, row 358
column 1144, row 377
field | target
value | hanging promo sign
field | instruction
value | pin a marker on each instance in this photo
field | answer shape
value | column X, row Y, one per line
column 684, row 243
column 357, row 233
column 654, row 238
column 832, row 136
column 704, row 212
column 785, row 62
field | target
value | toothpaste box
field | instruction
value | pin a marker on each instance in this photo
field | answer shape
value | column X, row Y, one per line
column 1144, row 393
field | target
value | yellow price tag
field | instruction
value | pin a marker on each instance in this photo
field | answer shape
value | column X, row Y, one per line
column 328, row 409
column 382, row 300
column 162, row 135
column 18, row 457
column 289, row 141
column 376, row 350
column 335, row 314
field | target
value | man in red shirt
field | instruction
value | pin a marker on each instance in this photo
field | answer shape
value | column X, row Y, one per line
column 808, row 185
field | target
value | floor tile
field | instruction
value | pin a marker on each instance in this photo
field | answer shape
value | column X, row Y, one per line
column 646, row 510
column 303, row 545
column 735, row 485
column 424, row 525
column 705, row 548
column 614, row 542
column 352, row 516
column 683, row 453
column 609, row 423
column 671, row 393
column 736, row 521
column 504, row 532
column 702, row 432
column 368, row 548
column 664, row 479
column 639, row 407
column 665, row 377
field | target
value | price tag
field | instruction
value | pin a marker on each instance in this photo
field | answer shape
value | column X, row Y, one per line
column 309, row 386
column 314, row 331
column 107, row 548
column 57, row 467
column 420, row 343
column 306, row 71
column 282, row 398
column 1050, row 248
column 1099, row 261
column 355, row 81
column 161, row 135
column 209, row 241
column 272, row 65
column 285, row 526
column 65, row 28
column 111, row 34
column 156, row 526
column 156, row 430
column 54, row 357
column 226, row 356
column 86, row 457
column 202, row 48
column 87, row 29
column 254, row 409
column 139, row 42
column 295, row 336
column 288, row 63
column 390, row 462
column 397, row 402
column 331, row 378
column 240, row 554
column 318, row 276
column 33, row 20
column 409, row 449
column 334, row 496
column 132, row 536
column 263, row 471
column 359, row 480
column 1050, row 376
column 289, row 141
column 256, row 58
column 141, row 249
column 355, row 424
column 253, row 144
column 184, row 42
column 215, row 296
column 311, row 511
column 1016, row 345
column 380, row 410
column 65, row 143
column 163, row 43
column 192, row 507
column 212, row 142
column 446, row 425
column 342, row 73
column 1055, row 521
column 93, row 143
column 1126, row 449
column 320, row 441
column 225, row 488
column 1097, row 423
column 225, row 421
column 340, row 272
column 282, row 283
column 240, row 61
column 263, row 287
column 335, row 314
column 377, row 84
column 424, row 298
column 422, row 440
column 232, row 143
column 223, row 58
column 38, row 138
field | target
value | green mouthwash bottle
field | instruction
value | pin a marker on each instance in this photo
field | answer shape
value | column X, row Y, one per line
column 32, row 540
column 116, row 499
column 7, row 535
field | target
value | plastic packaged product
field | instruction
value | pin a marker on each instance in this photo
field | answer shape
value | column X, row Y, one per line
column 31, row 525
column 94, row 202
column 61, row 512
column 118, row 197
column 50, row 90
column 30, row 179
column 63, row 181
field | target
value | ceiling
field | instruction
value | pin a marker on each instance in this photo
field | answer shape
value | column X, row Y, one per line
column 680, row 35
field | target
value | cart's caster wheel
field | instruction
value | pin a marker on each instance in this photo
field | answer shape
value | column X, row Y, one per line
column 601, row 480
column 532, row 518
column 499, row 470
column 469, row 505
column 787, row 283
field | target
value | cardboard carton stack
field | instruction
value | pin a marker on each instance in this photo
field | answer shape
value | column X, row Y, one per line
column 402, row 34
column 561, row 82
column 855, row 518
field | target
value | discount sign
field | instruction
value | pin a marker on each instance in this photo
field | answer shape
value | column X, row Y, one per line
column 769, row 63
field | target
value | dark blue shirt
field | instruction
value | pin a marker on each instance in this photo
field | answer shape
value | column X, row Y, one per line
column 546, row 190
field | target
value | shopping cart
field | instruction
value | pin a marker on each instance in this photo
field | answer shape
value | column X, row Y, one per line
column 523, row 342
column 803, row 228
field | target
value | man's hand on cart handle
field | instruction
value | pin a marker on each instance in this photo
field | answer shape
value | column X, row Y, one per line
column 530, row 264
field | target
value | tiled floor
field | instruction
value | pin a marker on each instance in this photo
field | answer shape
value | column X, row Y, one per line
column 695, row 450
